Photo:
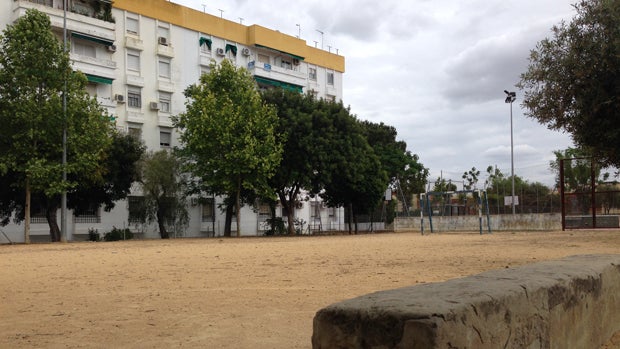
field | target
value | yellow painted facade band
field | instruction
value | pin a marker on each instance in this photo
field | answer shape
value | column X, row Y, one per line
column 246, row 35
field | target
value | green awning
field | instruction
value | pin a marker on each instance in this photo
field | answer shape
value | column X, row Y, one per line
column 98, row 79
column 232, row 48
column 280, row 84
column 286, row 53
column 102, row 41
column 207, row 41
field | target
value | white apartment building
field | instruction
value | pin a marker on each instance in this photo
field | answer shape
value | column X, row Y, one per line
column 139, row 56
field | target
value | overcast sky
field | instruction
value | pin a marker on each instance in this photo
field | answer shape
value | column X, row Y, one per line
column 436, row 70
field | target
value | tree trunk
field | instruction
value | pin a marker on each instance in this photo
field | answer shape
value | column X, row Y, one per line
column 238, row 206
column 27, row 214
column 162, row 227
column 349, row 218
column 228, row 220
column 290, row 217
column 52, row 222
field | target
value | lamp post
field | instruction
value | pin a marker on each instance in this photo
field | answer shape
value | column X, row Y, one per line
column 511, row 97
column 63, row 198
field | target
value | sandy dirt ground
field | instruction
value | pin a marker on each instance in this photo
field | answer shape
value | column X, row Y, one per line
column 236, row 293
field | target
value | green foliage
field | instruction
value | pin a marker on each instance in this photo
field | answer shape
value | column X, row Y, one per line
column 277, row 226
column 35, row 71
column 93, row 235
column 228, row 134
column 120, row 169
column 117, row 234
column 164, row 190
column 441, row 185
column 471, row 178
column 572, row 80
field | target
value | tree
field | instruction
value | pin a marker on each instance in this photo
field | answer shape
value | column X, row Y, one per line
column 350, row 172
column 470, row 178
column 397, row 162
column 120, row 169
column 228, row 135
column 572, row 80
column 35, row 72
column 164, row 191
column 297, row 169
column 441, row 185
column 578, row 174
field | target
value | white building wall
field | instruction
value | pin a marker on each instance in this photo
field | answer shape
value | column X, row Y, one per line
column 187, row 62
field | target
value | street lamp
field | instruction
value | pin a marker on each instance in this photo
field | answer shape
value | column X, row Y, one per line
column 511, row 97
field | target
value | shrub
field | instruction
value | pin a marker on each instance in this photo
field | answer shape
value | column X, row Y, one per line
column 93, row 235
column 117, row 234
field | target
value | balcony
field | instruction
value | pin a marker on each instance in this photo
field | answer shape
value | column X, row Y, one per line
column 288, row 76
column 94, row 66
column 81, row 21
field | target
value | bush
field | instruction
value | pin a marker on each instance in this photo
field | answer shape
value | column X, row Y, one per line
column 93, row 235
column 118, row 234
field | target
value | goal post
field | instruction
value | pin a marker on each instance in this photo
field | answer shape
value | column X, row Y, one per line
column 455, row 203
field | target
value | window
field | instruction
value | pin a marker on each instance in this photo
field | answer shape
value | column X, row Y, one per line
column 83, row 49
column 91, row 88
column 137, row 212
column 204, row 70
column 165, row 138
column 330, row 98
column 264, row 210
column 312, row 74
column 87, row 214
column 208, row 210
column 286, row 63
column 134, row 97
column 132, row 25
column 205, row 45
column 43, row 2
column 164, row 33
column 165, row 99
column 37, row 213
column 133, row 60
column 135, row 132
column 330, row 78
column 164, row 68
column 263, row 58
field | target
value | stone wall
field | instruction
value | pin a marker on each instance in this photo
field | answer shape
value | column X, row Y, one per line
column 568, row 303
column 521, row 222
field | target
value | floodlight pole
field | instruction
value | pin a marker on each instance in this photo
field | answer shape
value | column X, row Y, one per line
column 63, row 200
column 511, row 97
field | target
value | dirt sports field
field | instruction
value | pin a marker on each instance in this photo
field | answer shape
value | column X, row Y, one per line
column 236, row 293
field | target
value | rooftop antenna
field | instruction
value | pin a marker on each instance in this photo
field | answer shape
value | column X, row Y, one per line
column 329, row 48
column 315, row 43
column 240, row 20
column 221, row 13
column 204, row 8
column 321, row 37
column 298, row 30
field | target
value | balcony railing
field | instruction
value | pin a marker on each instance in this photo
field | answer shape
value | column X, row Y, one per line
column 99, row 9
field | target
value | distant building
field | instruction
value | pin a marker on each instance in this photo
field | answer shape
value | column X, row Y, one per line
column 139, row 56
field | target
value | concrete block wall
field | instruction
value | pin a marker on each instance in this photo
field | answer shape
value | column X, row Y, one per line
column 533, row 222
column 568, row 303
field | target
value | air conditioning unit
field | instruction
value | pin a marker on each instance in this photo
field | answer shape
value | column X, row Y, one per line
column 220, row 51
column 112, row 48
column 245, row 51
column 295, row 61
column 162, row 41
column 119, row 98
column 154, row 106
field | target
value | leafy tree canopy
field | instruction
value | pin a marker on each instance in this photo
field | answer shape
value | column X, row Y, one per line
column 572, row 80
